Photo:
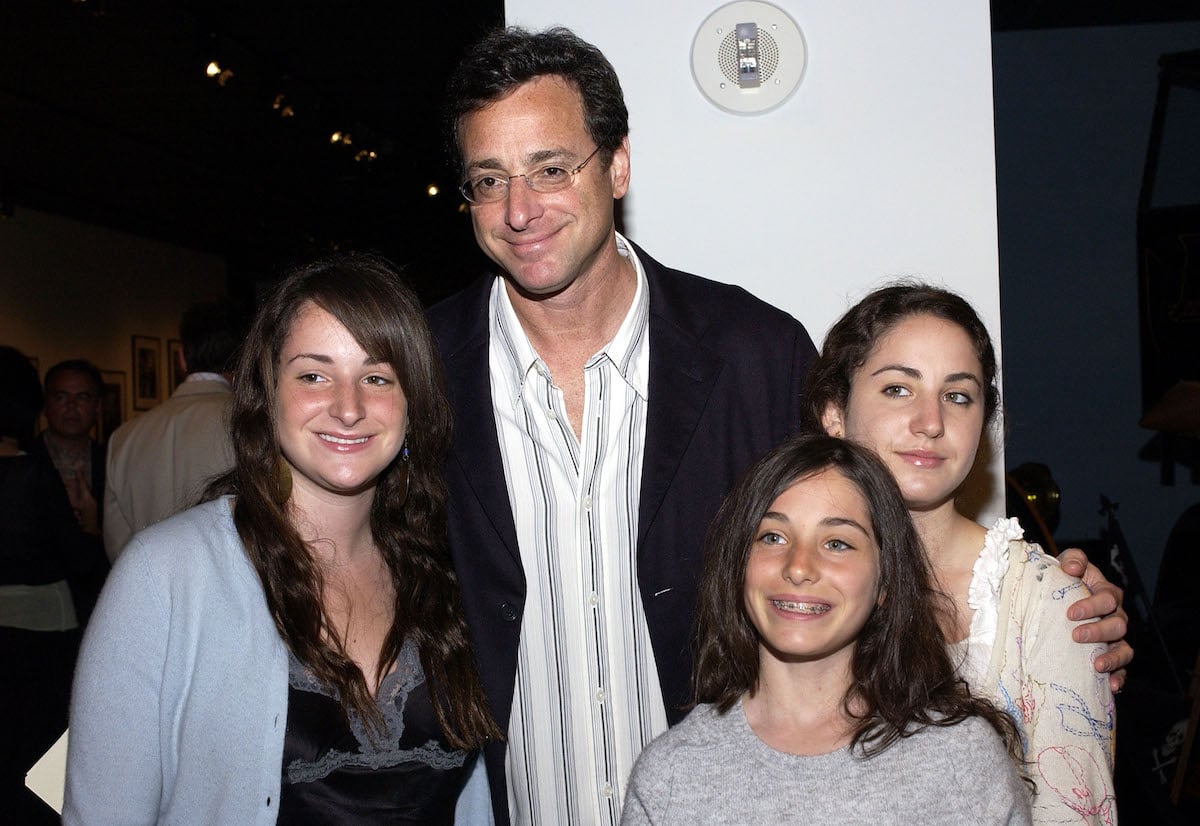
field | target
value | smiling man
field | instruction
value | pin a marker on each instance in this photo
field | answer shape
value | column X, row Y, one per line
column 604, row 404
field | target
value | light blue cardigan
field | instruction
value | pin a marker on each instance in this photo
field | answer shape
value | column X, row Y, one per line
column 180, row 701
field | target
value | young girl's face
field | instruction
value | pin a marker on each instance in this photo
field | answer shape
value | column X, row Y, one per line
column 812, row 576
column 917, row 401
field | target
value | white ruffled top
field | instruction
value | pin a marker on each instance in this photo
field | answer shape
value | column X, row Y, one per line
column 983, row 595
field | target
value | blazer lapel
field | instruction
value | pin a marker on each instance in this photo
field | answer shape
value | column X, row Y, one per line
column 476, row 447
column 682, row 375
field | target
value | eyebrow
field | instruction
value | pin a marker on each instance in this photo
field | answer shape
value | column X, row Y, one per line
column 828, row 521
column 539, row 157
column 912, row 372
column 324, row 359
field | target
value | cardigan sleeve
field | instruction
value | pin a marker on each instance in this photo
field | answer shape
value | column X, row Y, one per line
column 1062, row 706
column 114, row 766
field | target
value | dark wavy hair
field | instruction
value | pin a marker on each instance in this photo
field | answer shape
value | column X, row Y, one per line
column 20, row 396
column 851, row 339
column 506, row 58
column 902, row 677
column 408, row 516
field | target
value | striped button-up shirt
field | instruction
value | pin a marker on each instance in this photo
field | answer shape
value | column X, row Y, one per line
column 587, row 697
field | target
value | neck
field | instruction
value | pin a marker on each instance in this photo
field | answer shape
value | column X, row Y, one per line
column 584, row 316
column 797, row 707
column 75, row 443
column 944, row 532
column 336, row 528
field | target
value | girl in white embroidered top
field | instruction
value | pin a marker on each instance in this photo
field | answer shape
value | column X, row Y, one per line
column 910, row 371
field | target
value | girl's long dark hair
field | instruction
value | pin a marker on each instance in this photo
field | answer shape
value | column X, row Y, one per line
column 408, row 513
column 902, row 677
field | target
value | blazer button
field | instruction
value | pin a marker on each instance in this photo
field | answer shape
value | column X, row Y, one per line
column 509, row 612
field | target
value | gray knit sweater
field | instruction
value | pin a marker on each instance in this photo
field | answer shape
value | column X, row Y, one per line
column 712, row 768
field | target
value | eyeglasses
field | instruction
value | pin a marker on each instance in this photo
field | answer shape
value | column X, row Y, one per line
column 484, row 189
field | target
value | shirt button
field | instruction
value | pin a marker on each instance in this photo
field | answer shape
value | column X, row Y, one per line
column 606, row 790
column 587, row 503
column 599, row 695
column 593, row 599
column 509, row 612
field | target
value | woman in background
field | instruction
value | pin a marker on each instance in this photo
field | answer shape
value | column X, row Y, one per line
column 823, row 683
column 910, row 372
column 294, row 651
column 42, row 545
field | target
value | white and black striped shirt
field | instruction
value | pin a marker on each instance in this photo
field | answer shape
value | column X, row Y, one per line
column 587, row 698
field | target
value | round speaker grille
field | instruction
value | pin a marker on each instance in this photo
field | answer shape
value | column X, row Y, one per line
column 768, row 56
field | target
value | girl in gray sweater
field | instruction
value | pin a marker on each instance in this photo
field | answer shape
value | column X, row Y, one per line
column 823, row 686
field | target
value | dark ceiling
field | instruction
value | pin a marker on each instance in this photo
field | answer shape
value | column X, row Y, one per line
column 107, row 116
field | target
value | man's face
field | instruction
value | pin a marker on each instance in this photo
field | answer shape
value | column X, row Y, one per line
column 72, row 405
column 545, row 242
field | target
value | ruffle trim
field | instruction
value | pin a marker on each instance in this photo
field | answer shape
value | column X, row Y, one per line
column 983, row 594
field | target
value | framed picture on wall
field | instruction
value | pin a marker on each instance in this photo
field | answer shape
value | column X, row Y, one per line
column 146, row 356
column 175, row 374
column 112, row 401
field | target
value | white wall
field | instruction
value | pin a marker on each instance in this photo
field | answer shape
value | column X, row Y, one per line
column 881, row 164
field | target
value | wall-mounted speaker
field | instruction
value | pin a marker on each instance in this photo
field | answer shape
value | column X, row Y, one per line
column 748, row 57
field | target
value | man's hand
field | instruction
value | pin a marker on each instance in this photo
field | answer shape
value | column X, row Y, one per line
column 1105, row 603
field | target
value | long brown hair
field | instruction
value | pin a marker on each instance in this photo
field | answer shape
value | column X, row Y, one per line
column 902, row 677
column 408, row 513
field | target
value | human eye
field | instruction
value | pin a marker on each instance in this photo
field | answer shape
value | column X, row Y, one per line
column 837, row 545
column 488, row 184
column 958, row 397
column 310, row 377
column 769, row 537
column 378, row 380
column 896, row 391
column 550, row 175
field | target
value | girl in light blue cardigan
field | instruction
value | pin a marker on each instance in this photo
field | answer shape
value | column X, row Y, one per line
column 294, row 650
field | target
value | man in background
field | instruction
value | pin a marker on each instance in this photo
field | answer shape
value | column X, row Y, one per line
column 159, row 463
column 72, row 408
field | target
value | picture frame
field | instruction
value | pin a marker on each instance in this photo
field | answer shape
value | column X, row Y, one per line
column 113, row 392
column 147, row 386
column 175, row 372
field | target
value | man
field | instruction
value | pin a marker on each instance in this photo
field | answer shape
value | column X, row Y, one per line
column 604, row 405
column 72, row 408
column 160, row 462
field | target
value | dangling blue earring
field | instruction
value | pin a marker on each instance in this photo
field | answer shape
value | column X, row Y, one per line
column 405, row 469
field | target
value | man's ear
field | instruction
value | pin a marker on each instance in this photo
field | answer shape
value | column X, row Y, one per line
column 831, row 420
column 618, row 169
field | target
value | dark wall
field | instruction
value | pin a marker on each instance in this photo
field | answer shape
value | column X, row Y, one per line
column 1073, row 110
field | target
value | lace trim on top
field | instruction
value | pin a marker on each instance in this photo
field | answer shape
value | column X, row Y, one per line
column 391, row 698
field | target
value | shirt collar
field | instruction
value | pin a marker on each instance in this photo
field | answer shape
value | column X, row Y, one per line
column 627, row 350
column 202, row 376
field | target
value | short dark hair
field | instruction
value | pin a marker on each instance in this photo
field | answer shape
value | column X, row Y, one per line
column 507, row 58
column 851, row 339
column 80, row 366
column 20, row 396
column 901, row 672
column 211, row 333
